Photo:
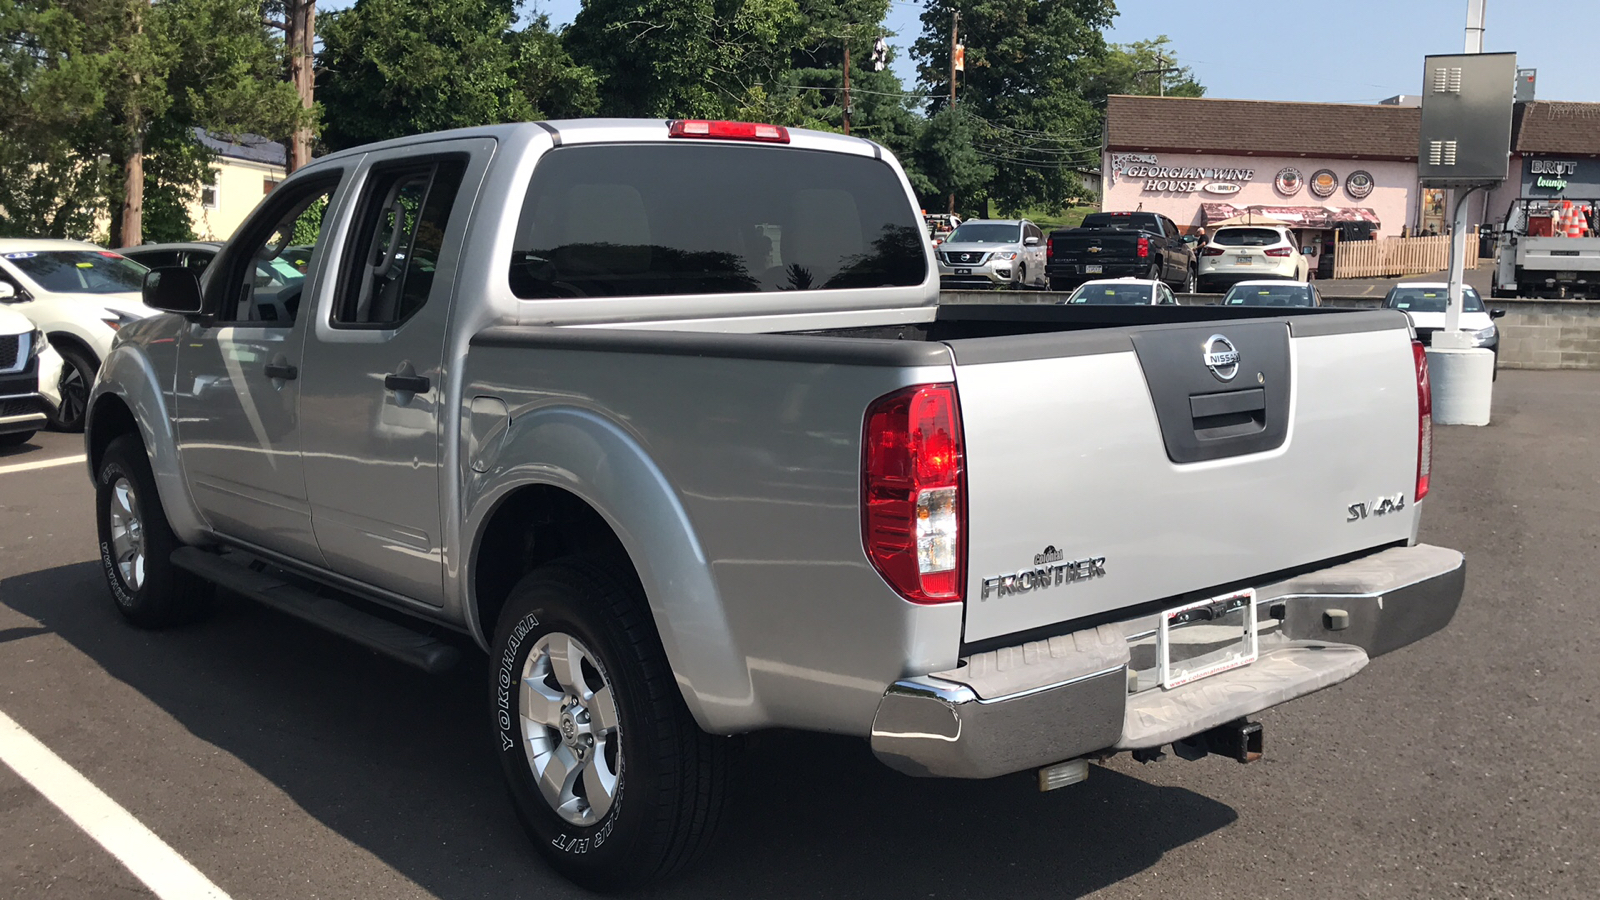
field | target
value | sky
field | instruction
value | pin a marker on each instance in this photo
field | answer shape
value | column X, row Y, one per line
column 1353, row 51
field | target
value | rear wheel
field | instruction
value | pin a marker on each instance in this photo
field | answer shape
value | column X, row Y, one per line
column 77, row 375
column 136, row 543
column 1191, row 282
column 1155, row 272
column 1058, row 284
column 611, row 777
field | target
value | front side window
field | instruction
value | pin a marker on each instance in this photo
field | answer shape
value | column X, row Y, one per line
column 698, row 218
column 262, row 288
column 80, row 271
column 985, row 233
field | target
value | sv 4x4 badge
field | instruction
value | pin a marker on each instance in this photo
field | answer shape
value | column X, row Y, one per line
column 1379, row 507
column 1050, row 568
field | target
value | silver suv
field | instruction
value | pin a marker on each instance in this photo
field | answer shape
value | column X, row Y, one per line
column 993, row 253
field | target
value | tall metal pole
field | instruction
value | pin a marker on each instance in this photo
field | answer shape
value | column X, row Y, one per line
column 847, row 84
column 1477, row 10
column 955, row 24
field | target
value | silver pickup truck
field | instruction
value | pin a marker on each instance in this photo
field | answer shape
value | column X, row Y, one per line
column 667, row 419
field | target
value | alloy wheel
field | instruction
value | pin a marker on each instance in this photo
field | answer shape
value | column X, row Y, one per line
column 127, row 534
column 570, row 731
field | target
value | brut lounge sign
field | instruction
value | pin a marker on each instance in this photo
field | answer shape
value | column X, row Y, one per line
column 1552, row 173
column 1176, row 179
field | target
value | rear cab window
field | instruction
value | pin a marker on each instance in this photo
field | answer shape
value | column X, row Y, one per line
column 1123, row 221
column 665, row 219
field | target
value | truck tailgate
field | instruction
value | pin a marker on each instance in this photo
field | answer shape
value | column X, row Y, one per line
column 1095, row 246
column 1112, row 469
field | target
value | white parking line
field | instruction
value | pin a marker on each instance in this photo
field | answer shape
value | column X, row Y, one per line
column 42, row 464
column 168, row 875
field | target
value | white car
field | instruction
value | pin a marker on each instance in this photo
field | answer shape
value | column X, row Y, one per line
column 79, row 295
column 1423, row 302
column 1272, row 293
column 1122, row 292
column 29, row 372
column 1250, row 252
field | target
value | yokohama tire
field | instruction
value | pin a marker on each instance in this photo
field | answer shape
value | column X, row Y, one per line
column 668, row 781
column 151, row 593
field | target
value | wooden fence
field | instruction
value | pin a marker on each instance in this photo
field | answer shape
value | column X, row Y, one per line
column 1388, row 257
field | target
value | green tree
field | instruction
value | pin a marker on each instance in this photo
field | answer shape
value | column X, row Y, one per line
column 398, row 67
column 1142, row 67
column 951, row 164
column 1024, row 88
column 685, row 58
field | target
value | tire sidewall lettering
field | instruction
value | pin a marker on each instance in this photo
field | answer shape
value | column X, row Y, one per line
column 507, row 678
column 119, row 591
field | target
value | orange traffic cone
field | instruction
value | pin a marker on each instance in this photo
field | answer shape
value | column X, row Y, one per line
column 1577, row 223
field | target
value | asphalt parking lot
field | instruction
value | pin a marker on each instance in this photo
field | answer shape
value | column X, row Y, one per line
column 282, row 762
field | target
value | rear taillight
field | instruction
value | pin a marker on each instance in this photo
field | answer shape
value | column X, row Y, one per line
column 1211, row 251
column 1279, row 252
column 1419, row 355
column 913, row 508
column 1049, row 249
column 728, row 131
column 1144, row 246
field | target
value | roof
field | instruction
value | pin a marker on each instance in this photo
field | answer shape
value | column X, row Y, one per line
column 1262, row 127
column 39, row 245
column 1544, row 126
column 248, row 147
column 183, row 245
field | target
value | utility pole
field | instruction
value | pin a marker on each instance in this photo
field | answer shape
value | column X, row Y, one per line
column 847, row 83
column 955, row 25
column 1160, row 71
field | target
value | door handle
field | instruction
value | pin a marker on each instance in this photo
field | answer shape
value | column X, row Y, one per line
column 408, row 384
column 282, row 371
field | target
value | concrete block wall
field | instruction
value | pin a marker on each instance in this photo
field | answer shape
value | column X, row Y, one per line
column 1535, row 334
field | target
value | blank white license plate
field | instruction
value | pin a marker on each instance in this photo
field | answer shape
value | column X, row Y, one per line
column 1093, row 270
column 1204, row 638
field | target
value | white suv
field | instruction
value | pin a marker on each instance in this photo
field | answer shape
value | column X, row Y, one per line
column 1249, row 252
column 79, row 295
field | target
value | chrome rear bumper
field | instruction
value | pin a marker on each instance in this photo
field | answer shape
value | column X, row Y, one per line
column 1038, row 703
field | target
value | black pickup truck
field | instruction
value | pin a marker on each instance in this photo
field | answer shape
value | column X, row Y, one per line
column 1120, row 245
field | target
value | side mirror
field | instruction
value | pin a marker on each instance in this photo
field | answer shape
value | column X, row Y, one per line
column 173, row 289
column 1497, row 314
column 7, row 292
column 1030, row 241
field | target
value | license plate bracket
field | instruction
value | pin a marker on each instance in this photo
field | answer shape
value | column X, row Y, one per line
column 1206, row 637
column 1093, row 270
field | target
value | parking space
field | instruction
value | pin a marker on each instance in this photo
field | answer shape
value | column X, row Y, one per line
column 282, row 762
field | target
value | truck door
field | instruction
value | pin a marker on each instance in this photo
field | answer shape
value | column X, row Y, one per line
column 238, row 387
column 373, row 401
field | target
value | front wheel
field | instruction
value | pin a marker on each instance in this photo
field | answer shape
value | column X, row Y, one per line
column 610, row 775
column 136, row 543
column 77, row 376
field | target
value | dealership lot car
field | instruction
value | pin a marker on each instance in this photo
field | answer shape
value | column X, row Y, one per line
column 1424, row 302
column 993, row 253
column 1249, row 252
column 29, row 372
column 1122, row 292
column 79, row 295
column 1272, row 293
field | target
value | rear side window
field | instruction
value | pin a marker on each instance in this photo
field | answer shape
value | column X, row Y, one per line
column 1246, row 237
column 664, row 219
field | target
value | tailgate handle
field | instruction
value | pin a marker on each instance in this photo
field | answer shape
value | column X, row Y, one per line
column 1229, row 414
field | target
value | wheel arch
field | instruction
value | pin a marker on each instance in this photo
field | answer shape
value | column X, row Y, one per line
column 586, row 485
column 126, row 399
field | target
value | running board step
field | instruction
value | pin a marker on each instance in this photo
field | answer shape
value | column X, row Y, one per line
column 381, row 635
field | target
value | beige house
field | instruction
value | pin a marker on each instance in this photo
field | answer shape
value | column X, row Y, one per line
column 246, row 169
